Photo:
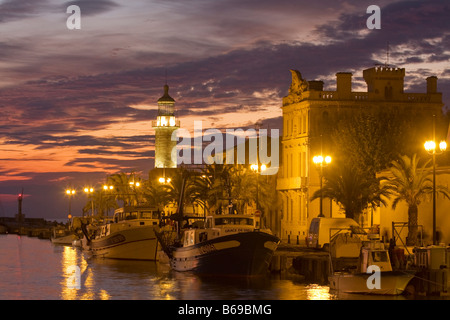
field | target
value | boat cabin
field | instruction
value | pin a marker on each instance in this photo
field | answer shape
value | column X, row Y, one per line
column 137, row 213
column 220, row 225
column 129, row 217
column 375, row 254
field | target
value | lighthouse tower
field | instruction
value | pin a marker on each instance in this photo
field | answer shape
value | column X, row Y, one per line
column 164, row 126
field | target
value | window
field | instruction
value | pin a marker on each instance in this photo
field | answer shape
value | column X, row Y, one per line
column 234, row 221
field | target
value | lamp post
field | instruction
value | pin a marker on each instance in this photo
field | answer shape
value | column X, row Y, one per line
column 105, row 204
column 90, row 191
column 321, row 162
column 430, row 147
column 258, row 169
column 134, row 185
column 70, row 193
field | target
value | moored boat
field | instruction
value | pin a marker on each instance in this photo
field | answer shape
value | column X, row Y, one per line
column 62, row 235
column 372, row 275
column 228, row 244
column 129, row 235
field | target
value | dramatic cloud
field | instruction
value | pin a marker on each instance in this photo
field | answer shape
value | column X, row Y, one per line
column 92, row 7
column 76, row 105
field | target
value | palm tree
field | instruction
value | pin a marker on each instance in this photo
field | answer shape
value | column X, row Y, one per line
column 125, row 188
column 412, row 183
column 353, row 190
column 155, row 194
column 103, row 202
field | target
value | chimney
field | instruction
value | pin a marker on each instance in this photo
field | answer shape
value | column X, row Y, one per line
column 315, row 85
column 344, row 84
column 432, row 84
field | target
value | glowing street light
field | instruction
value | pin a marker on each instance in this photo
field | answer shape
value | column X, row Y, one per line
column 90, row 191
column 430, row 147
column 134, row 184
column 321, row 162
column 164, row 180
column 258, row 169
column 70, row 193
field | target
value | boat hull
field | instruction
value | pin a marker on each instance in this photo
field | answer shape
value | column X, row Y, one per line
column 391, row 283
column 244, row 254
column 138, row 243
column 65, row 240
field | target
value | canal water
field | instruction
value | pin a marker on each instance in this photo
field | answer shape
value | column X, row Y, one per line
column 35, row 269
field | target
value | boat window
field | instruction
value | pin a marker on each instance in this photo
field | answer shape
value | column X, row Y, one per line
column 314, row 227
column 190, row 238
column 131, row 215
column 146, row 215
column 234, row 221
column 208, row 222
column 379, row 256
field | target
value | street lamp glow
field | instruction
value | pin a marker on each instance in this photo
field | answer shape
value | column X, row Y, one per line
column 254, row 167
column 430, row 145
column 263, row 167
column 70, row 191
column 320, row 160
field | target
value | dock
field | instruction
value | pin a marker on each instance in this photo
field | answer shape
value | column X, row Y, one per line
column 32, row 227
column 313, row 265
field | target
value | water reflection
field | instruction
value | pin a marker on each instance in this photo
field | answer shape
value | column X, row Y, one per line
column 317, row 292
column 35, row 269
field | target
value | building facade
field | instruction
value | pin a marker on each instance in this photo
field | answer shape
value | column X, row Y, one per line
column 310, row 114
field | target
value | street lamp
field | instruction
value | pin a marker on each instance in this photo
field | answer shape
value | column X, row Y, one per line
column 105, row 205
column 70, row 193
column 258, row 169
column 321, row 162
column 164, row 180
column 89, row 191
column 430, row 147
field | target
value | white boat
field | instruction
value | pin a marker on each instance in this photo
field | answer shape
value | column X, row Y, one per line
column 62, row 235
column 129, row 235
column 227, row 244
column 363, row 280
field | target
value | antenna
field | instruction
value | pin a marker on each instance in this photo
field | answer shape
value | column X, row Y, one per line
column 166, row 75
column 387, row 54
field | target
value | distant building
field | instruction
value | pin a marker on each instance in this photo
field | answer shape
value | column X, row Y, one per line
column 309, row 114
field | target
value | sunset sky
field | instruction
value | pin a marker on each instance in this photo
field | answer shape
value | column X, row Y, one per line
column 77, row 105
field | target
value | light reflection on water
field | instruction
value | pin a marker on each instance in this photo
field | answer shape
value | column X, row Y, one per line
column 31, row 268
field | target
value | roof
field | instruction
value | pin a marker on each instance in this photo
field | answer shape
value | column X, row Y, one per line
column 166, row 97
